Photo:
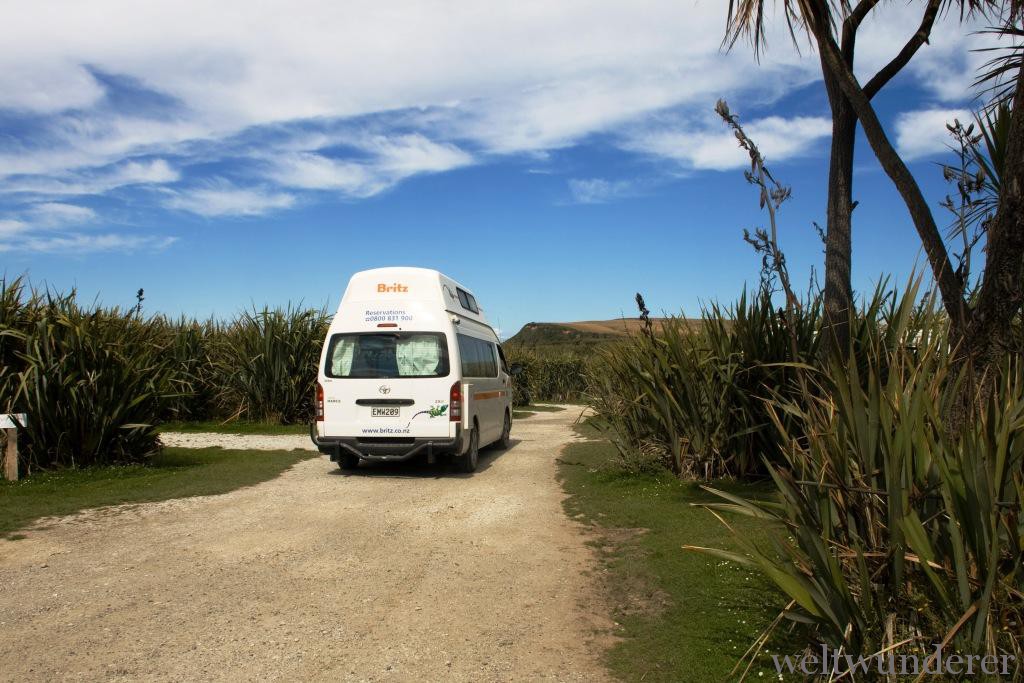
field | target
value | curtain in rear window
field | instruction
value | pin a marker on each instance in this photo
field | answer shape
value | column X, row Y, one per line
column 341, row 357
column 417, row 355
column 387, row 355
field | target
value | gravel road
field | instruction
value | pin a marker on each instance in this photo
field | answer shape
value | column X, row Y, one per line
column 390, row 573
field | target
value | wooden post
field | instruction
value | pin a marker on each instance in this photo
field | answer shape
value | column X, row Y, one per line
column 10, row 424
column 11, row 454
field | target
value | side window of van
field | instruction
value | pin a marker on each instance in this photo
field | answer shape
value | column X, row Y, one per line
column 504, row 362
column 468, row 352
column 490, row 362
column 478, row 357
column 467, row 300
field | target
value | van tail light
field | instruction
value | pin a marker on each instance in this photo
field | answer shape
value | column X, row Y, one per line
column 319, row 403
column 455, row 403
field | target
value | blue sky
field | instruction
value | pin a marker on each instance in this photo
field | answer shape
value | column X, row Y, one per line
column 554, row 159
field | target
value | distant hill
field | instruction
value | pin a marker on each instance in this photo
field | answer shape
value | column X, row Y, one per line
column 576, row 337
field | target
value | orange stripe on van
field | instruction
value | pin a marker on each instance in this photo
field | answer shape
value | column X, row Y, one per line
column 484, row 395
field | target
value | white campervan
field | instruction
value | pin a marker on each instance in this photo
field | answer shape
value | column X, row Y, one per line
column 410, row 367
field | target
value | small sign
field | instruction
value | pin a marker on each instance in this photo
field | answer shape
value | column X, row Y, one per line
column 7, row 421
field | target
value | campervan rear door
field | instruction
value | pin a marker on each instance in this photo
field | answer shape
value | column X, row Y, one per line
column 388, row 383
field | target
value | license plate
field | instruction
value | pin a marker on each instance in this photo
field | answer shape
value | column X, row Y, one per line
column 384, row 412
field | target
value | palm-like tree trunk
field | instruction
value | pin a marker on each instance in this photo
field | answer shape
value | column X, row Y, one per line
column 989, row 333
column 951, row 289
column 839, row 217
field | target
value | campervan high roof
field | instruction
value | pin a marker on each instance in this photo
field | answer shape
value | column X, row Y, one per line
column 412, row 284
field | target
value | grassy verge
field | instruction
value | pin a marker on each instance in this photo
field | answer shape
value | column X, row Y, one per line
column 234, row 428
column 175, row 473
column 682, row 616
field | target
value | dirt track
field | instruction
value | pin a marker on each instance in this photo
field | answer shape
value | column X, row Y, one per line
column 391, row 573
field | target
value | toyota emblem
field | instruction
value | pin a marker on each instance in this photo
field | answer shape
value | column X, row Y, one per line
column 384, row 389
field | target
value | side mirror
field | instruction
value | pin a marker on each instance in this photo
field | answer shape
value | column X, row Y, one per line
column 515, row 369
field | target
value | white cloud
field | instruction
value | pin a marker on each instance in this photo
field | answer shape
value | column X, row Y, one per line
column 93, row 139
column 517, row 77
column 55, row 227
column 599, row 190
column 155, row 171
column 389, row 160
column 224, row 199
column 923, row 133
column 10, row 227
column 86, row 243
column 55, row 214
column 462, row 84
column 50, row 86
column 309, row 171
column 406, row 155
column 714, row 147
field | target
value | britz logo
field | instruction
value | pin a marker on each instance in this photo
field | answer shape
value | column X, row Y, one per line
column 397, row 287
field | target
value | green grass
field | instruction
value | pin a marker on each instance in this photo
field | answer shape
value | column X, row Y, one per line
column 682, row 616
column 234, row 427
column 175, row 473
column 522, row 414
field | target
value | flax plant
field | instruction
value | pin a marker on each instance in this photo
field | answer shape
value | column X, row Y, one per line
column 694, row 398
column 93, row 382
column 895, row 534
column 560, row 378
column 265, row 362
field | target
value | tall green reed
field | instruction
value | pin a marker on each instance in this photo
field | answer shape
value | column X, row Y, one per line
column 266, row 364
column 93, row 382
column 893, row 533
column 693, row 398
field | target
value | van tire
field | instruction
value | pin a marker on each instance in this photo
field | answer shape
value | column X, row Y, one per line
column 347, row 461
column 467, row 462
column 506, row 433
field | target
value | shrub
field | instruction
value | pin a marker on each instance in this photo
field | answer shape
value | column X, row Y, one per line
column 547, row 377
column 19, row 310
column 93, row 383
column 698, row 396
column 897, row 533
column 265, row 363
column 192, row 345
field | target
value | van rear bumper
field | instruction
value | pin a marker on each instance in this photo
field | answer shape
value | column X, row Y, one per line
column 384, row 450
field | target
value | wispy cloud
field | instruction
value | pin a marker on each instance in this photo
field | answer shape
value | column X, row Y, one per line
column 353, row 99
column 54, row 84
column 59, row 227
column 384, row 161
column 714, row 147
column 923, row 133
column 10, row 227
column 57, row 214
column 224, row 199
column 600, row 191
column 311, row 171
column 94, row 182
column 85, row 243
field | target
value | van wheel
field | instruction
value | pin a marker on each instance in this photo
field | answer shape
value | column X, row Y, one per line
column 467, row 462
column 348, row 462
column 506, row 433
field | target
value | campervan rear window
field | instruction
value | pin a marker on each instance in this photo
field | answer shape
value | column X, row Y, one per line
column 387, row 355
